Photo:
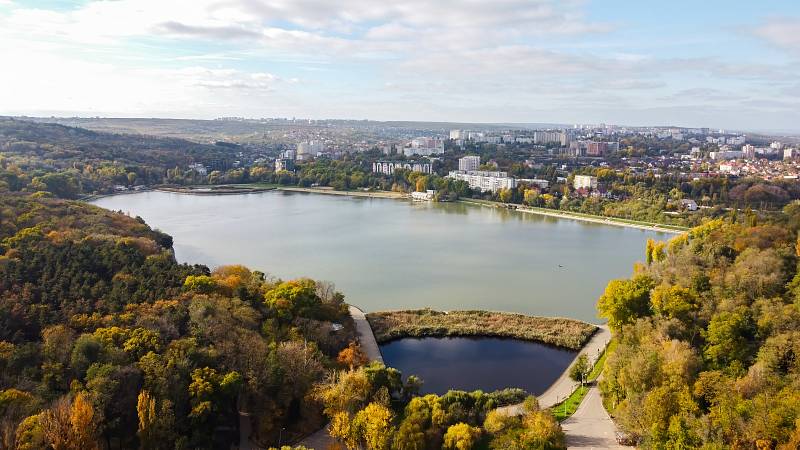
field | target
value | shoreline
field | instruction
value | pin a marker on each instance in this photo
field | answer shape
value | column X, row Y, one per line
column 560, row 332
column 366, row 194
column 579, row 217
column 221, row 190
column 242, row 189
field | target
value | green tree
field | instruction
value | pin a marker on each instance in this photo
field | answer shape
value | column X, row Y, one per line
column 729, row 338
column 580, row 369
column 625, row 300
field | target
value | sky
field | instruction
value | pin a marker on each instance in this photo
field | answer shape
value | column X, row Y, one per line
column 731, row 64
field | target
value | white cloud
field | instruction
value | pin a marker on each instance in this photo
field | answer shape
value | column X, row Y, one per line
column 366, row 58
column 783, row 32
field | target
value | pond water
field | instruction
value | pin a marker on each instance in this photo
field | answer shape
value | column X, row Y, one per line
column 395, row 254
column 468, row 364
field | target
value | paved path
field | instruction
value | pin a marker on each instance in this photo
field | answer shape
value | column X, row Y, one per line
column 365, row 336
column 590, row 427
column 321, row 440
column 564, row 386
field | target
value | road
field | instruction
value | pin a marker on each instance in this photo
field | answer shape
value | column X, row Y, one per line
column 590, row 427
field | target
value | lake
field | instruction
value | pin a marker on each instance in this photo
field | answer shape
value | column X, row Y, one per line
column 395, row 254
column 468, row 364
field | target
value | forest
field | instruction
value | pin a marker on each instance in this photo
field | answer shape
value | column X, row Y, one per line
column 708, row 334
column 107, row 342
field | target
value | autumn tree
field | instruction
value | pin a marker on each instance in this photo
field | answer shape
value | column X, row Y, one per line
column 580, row 369
column 461, row 436
column 625, row 300
column 375, row 426
column 352, row 356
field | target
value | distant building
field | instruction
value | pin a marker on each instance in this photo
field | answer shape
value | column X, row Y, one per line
column 565, row 139
column 388, row 167
column 469, row 163
column 596, row 148
column 688, row 204
column 458, row 134
column 424, row 146
column 289, row 154
column 748, row 151
column 284, row 164
column 423, row 196
column 547, row 137
column 736, row 140
column 199, row 168
column 484, row 180
column 725, row 155
column 541, row 184
column 584, row 182
column 790, row 153
column 306, row 150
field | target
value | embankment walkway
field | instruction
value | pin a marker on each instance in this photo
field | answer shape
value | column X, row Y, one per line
column 579, row 216
column 564, row 386
column 369, row 194
column 321, row 440
column 590, row 427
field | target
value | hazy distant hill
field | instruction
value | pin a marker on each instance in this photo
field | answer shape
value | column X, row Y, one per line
column 64, row 145
column 244, row 130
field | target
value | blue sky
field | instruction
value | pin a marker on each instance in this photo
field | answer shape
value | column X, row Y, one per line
column 722, row 64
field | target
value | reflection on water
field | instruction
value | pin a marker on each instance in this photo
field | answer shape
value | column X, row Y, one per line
column 468, row 364
column 396, row 254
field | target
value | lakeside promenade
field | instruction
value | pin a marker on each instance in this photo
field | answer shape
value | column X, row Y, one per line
column 366, row 338
column 564, row 386
column 578, row 216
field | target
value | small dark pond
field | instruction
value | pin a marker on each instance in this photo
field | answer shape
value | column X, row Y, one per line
column 468, row 364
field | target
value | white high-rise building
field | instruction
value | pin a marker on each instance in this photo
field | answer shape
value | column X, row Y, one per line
column 484, row 180
column 468, row 163
column 309, row 149
column 585, row 182
column 749, row 151
column 457, row 134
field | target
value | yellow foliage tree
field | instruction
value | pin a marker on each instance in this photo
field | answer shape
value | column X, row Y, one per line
column 374, row 424
column 341, row 428
column 84, row 424
column 146, row 409
column 461, row 436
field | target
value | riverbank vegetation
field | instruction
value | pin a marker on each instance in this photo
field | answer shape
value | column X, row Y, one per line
column 567, row 333
column 708, row 351
column 371, row 407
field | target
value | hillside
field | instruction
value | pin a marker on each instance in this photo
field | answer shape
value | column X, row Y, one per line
column 709, row 339
column 71, row 161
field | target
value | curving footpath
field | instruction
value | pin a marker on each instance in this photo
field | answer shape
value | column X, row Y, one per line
column 564, row 386
column 590, row 427
column 322, row 439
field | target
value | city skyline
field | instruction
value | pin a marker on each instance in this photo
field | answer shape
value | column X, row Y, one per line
column 730, row 65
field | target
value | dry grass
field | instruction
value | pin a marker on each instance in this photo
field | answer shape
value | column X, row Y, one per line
column 391, row 325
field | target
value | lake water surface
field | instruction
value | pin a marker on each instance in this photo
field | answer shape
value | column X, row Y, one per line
column 468, row 364
column 395, row 254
